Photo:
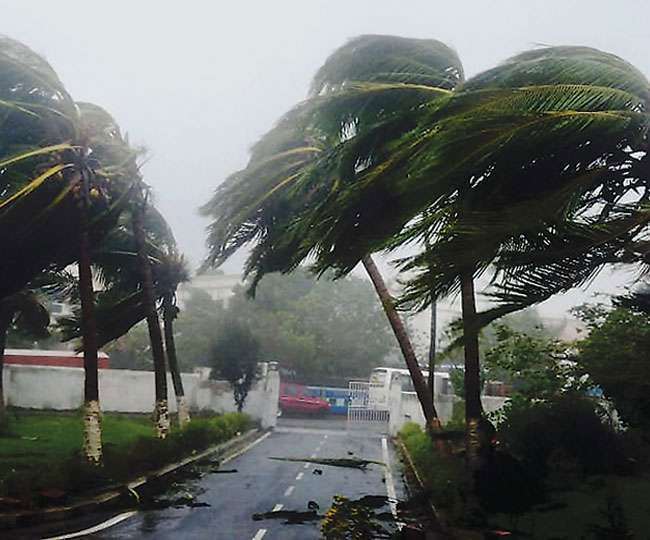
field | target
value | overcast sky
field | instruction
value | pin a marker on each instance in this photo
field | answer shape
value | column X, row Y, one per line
column 197, row 82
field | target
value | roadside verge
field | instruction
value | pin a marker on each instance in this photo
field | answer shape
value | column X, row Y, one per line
column 413, row 476
column 122, row 493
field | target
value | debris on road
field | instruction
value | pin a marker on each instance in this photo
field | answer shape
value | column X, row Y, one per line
column 292, row 517
column 348, row 518
column 350, row 463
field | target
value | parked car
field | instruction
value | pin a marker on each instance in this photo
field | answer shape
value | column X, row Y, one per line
column 295, row 399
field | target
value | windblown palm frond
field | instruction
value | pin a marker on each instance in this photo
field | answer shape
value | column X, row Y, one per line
column 27, row 310
column 493, row 145
column 120, row 302
column 43, row 213
column 389, row 59
column 35, row 111
column 371, row 81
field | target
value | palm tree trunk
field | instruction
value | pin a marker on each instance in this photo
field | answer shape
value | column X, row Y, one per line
column 161, row 410
column 432, row 356
column 169, row 314
column 473, row 409
column 92, row 441
column 388, row 303
column 433, row 330
column 4, row 327
column 474, row 513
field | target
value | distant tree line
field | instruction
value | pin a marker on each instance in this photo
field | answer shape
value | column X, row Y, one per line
column 314, row 329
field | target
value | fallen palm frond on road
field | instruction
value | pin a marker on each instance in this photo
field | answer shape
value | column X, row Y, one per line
column 291, row 516
column 350, row 463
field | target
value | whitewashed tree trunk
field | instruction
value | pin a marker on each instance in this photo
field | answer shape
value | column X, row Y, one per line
column 183, row 408
column 92, row 432
column 161, row 419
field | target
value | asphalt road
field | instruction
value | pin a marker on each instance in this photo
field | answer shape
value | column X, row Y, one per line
column 263, row 485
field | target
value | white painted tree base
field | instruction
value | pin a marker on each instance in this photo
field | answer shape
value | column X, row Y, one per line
column 161, row 419
column 92, row 446
column 183, row 408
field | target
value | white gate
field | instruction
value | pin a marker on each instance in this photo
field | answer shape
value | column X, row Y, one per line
column 368, row 402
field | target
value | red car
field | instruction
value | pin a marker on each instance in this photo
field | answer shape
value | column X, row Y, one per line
column 294, row 399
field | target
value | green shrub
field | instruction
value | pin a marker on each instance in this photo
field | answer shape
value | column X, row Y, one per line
column 565, row 436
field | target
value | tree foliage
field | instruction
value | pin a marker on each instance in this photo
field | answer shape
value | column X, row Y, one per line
column 536, row 367
column 235, row 355
column 316, row 328
column 615, row 356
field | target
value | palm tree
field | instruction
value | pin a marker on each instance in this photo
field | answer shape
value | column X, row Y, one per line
column 60, row 191
column 92, row 414
column 121, row 302
column 519, row 166
column 171, row 272
column 161, row 410
column 115, row 149
column 366, row 81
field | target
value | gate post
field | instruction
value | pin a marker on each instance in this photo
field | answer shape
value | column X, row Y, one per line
column 395, row 418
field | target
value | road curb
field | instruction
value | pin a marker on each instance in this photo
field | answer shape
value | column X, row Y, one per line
column 57, row 513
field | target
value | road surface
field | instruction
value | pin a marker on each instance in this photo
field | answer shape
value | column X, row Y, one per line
column 228, row 501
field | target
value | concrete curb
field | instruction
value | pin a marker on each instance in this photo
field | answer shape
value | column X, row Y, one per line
column 57, row 513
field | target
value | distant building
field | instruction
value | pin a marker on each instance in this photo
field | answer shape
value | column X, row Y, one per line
column 59, row 309
column 220, row 286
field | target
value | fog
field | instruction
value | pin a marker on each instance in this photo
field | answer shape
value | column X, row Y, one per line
column 197, row 83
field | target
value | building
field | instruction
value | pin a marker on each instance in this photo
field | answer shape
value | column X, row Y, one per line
column 220, row 286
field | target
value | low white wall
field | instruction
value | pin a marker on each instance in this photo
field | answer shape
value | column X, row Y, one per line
column 122, row 390
column 405, row 407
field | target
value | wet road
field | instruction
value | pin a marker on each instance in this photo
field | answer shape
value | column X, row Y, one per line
column 262, row 485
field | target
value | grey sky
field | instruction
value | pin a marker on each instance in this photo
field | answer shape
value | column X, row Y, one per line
column 198, row 82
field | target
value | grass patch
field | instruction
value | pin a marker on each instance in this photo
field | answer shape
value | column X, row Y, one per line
column 441, row 475
column 40, row 454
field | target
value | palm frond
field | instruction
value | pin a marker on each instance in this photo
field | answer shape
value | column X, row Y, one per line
column 389, row 59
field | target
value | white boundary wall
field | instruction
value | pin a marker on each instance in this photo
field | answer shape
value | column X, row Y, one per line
column 123, row 390
column 405, row 407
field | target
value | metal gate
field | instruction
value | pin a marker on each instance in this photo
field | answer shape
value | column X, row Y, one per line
column 368, row 403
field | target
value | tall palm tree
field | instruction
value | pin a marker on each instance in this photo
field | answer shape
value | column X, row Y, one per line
column 92, row 415
column 59, row 190
column 121, row 300
column 161, row 410
column 366, row 81
column 172, row 271
column 112, row 146
column 519, row 166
